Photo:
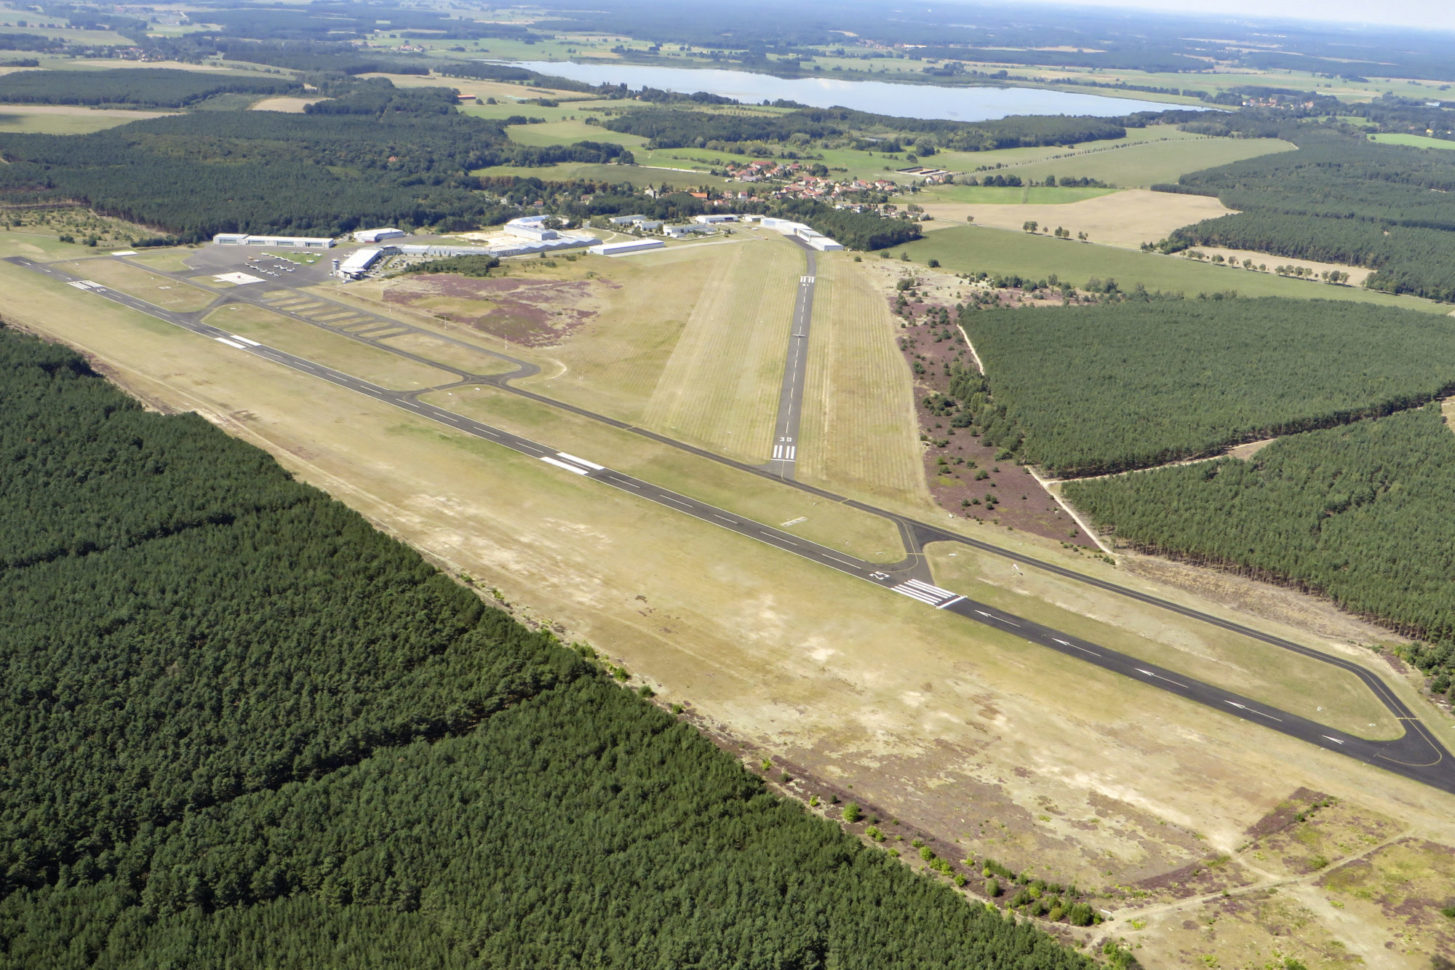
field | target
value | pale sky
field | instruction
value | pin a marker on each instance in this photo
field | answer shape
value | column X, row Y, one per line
column 1431, row 14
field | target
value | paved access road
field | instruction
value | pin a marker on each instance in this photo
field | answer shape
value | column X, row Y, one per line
column 1416, row 755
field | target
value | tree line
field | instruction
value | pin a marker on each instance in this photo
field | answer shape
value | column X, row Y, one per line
column 1338, row 199
column 141, row 87
column 1364, row 514
column 1087, row 390
column 240, row 726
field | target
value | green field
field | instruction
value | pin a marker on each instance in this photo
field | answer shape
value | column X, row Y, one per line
column 970, row 249
column 66, row 119
column 1414, row 141
column 1008, row 194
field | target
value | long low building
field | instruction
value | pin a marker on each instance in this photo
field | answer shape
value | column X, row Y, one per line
column 276, row 242
column 622, row 248
column 377, row 235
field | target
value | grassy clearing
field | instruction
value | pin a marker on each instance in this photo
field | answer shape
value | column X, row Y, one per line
column 162, row 291
column 1414, row 141
column 615, row 363
column 818, row 520
column 720, row 386
column 858, row 433
column 450, row 353
column 287, row 105
column 360, row 360
column 484, row 89
column 171, row 260
column 971, row 249
column 1314, row 690
column 64, row 119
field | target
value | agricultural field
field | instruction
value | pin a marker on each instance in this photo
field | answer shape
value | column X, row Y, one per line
column 971, row 249
column 1124, row 219
column 66, row 119
column 1412, row 141
column 1090, row 390
column 1147, row 156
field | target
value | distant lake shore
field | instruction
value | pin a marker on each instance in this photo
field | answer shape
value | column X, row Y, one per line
column 927, row 101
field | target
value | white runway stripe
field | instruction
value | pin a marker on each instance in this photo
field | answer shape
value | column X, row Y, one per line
column 230, row 343
column 561, row 464
column 581, row 461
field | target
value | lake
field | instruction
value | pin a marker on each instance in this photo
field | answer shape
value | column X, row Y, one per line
column 879, row 97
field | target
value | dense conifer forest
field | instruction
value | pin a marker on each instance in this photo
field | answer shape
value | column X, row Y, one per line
column 242, row 728
column 1339, row 198
column 1363, row 513
column 1097, row 389
column 138, row 87
column 678, row 127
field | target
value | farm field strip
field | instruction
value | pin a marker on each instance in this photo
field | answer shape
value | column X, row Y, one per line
column 996, row 251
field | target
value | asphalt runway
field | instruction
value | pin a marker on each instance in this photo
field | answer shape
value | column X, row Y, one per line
column 1416, row 755
column 790, row 395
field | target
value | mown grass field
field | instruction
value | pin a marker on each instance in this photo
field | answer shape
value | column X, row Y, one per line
column 350, row 356
column 1146, row 163
column 1413, row 141
column 64, row 119
column 651, row 354
column 162, row 291
column 719, row 388
column 450, row 353
column 996, row 251
column 816, row 519
column 858, row 433
column 1318, row 691
column 1009, row 194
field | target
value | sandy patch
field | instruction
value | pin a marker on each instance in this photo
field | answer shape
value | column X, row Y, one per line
column 288, row 105
column 1357, row 274
column 1124, row 219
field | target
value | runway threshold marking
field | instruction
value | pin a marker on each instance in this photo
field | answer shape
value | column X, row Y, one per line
column 566, row 465
column 925, row 593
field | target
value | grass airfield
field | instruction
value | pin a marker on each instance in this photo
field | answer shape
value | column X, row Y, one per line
column 1025, row 756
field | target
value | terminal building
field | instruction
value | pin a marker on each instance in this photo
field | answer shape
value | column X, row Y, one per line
column 274, row 242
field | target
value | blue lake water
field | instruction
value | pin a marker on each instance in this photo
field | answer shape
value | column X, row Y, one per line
column 879, row 97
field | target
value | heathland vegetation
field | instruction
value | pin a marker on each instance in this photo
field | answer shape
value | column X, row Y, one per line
column 1088, row 390
column 1363, row 513
column 241, row 725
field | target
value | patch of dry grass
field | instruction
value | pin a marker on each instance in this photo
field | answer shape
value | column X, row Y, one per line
column 161, row 291
column 858, row 433
column 1123, row 219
